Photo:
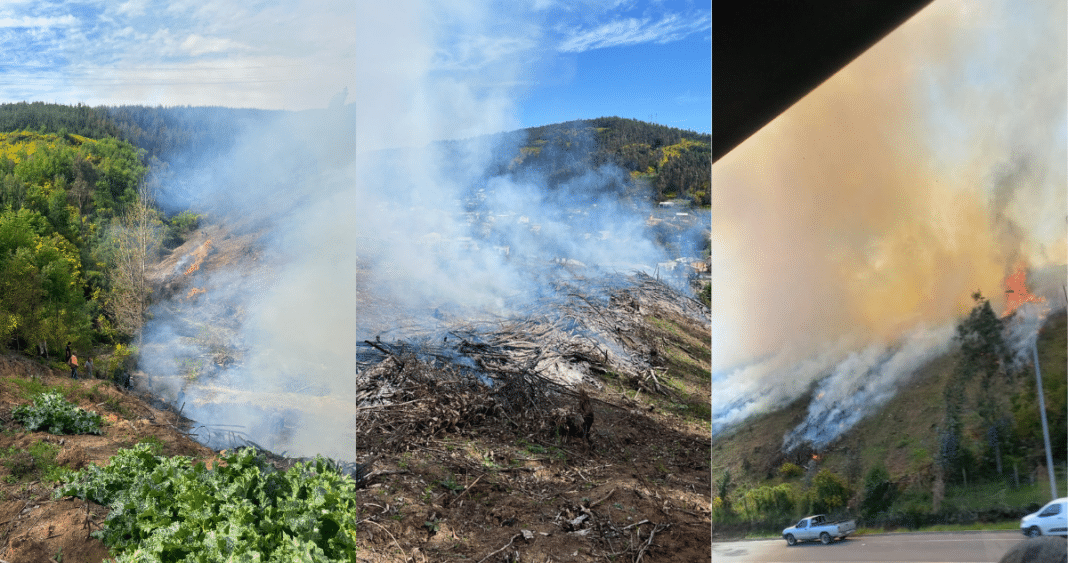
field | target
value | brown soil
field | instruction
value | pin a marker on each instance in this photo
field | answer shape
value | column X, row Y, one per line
column 483, row 494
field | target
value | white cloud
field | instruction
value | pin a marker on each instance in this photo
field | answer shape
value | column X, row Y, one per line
column 197, row 45
column 287, row 54
column 633, row 31
column 131, row 8
column 475, row 52
column 38, row 22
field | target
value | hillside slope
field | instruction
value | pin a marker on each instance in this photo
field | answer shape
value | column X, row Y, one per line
column 459, row 496
column 903, row 436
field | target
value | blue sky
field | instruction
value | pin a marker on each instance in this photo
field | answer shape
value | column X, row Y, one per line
column 521, row 65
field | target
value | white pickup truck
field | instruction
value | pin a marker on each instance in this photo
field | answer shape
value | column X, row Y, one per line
column 818, row 528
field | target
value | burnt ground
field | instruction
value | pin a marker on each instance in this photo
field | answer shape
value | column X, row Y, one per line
column 487, row 492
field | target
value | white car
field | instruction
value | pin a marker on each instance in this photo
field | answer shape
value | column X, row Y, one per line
column 1052, row 520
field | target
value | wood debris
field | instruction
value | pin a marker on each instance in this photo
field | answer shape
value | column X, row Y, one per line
column 524, row 372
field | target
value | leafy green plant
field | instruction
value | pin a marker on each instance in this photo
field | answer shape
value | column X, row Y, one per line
column 169, row 509
column 52, row 412
column 489, row 463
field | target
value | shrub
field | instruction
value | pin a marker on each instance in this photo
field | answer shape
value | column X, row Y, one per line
column 58, row 416
column 768, row 501
column 121, row 362
column 179, row 227
column 790, row 470
column 21, row 464
column 829, row 492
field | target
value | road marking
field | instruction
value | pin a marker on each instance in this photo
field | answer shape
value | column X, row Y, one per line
column 970, row 540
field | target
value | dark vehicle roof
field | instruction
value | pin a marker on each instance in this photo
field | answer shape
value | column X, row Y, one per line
column 754, row 79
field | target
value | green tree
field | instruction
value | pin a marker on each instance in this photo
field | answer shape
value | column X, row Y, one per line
column 771, row 501
column 723, row 488
column 983, row 355
column 829, row 492
column 41, row 294
column 879, row 491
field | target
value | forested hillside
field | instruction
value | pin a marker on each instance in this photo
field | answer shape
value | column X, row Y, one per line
column 960, row 444
column 166, row 132
column 57, row 118
column 674, row 163
column 75, row 232
column 669, row 163
column 77, row 223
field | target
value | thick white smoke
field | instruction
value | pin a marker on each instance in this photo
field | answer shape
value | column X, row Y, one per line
column 863, row 381
column 926, row 169
column 348, row 222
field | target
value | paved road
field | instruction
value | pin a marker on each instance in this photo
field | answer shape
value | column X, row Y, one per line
column 983, row 547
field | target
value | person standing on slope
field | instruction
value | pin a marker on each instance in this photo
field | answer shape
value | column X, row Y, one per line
column 74, row 366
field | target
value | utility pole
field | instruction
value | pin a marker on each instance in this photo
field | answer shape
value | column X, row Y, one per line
column 1045, row 425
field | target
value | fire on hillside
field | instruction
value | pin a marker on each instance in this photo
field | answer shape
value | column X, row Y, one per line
column 448, row 366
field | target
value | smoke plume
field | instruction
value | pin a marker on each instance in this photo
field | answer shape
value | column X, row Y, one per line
column 873, row 209
column 335, row 226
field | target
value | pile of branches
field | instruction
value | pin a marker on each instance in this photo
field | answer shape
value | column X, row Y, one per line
column 522, row 371
column 409, row 400
column 405, row 399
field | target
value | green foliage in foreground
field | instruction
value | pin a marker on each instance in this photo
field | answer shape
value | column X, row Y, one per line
column 50, row 411
column 168, row 509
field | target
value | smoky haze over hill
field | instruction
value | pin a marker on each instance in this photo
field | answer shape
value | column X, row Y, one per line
column 851, row 231
column 322, row 245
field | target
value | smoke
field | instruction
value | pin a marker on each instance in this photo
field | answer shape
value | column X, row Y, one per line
column 863, row 381
column 878, row 204
column 324, row 236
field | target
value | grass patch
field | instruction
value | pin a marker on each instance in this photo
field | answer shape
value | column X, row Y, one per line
column 982, row 496
column 686, row 351
column 30, row 388
column 36, row 462
column 112, row 404
column 534, row 449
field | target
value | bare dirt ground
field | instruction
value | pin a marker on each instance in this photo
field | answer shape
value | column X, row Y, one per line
column 641, row 492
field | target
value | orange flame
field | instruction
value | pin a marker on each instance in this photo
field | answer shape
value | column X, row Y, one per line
column 200, row 253
column 1016, row 292
column 194, row 292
